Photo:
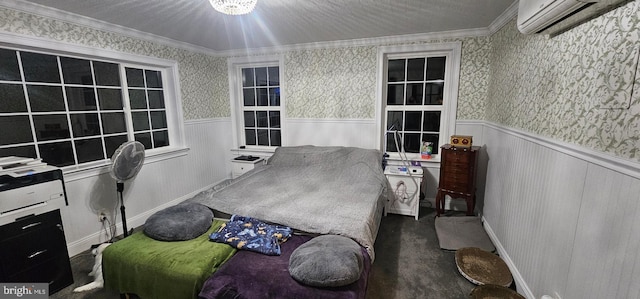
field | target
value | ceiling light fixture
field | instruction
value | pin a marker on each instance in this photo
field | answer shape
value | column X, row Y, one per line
column 234, row 7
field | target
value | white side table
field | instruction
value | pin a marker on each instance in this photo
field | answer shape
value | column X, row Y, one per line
column 407, row 195
column 240, row 165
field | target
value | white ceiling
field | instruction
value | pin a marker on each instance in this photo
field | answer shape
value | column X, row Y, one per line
column 286, row 22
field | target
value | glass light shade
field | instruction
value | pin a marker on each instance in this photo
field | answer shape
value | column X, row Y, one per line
column 234, row 7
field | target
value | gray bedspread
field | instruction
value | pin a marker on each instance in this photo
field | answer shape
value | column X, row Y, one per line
column 320, row 190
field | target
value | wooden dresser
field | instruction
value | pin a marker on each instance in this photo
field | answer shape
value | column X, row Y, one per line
column 457, row 176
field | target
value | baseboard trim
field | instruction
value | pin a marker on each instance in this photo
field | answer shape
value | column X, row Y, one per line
column 79, row 246
column 521, row 284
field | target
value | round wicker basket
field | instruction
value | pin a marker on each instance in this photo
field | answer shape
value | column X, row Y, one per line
column 491, row 291
column 482, row 267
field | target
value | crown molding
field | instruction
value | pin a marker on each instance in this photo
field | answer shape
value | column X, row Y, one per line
column 506, row 17
column 374, row 41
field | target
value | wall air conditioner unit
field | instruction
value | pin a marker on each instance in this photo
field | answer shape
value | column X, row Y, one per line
column 556, row 16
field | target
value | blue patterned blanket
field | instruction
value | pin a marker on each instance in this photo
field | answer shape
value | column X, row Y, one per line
column 251, row 234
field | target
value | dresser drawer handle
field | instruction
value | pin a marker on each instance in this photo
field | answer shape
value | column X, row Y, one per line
column 31, row 225
column 37, row 253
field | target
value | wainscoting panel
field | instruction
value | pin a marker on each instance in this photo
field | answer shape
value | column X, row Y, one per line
column 565, row 219
column 328, row 132
column 606, row 257
column 159, row 184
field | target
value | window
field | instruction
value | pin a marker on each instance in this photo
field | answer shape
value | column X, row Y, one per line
column 419, row 95
column 258, row 103
column 71, row 110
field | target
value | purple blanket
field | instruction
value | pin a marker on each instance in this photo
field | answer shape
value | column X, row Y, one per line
column 250, row 275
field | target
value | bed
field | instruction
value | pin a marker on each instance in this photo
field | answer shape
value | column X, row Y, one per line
column 267, row 277
column 316, row 191
column 156, row 269
column 320, row 190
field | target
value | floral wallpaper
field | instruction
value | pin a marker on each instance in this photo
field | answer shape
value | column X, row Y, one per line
column 203, row 78
column 331, row 83
column 341, row 82
column 581, row 87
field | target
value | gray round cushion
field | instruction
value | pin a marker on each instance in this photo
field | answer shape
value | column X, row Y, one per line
column 327, row 261
column 181, row 222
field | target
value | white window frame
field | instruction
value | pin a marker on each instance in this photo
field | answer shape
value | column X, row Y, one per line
column 170, row 81
column 235, row 66
column 452, row 51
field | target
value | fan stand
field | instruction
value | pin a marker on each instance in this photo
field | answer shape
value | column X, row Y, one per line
column 125, row 232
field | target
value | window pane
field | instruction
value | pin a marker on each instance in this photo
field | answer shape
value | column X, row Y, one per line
column 249, row 119
column 89, row 150
column 113, row 123
column 112, row 143
column 261, row 76
column 76, row 71
column 156, row 99
column 45, row 98
column 137, row 99
column 40, row 67
column 160, row 138
column 154, row 79
column 85, row 124
column 274, row 96
column 412, row 142
column 396, row 70
column 274, row 76
column 145, row 139
column 140, row 121
column 9, row 70
column 413, row 120
column 81, row 99
column 57, row 154
column 275, row 138
column 395, row 94
column 415, row 69
column 20, row 151
column 263, row 98
column 263, row 137
column 134, row 77
column 247, row 78
column 250, row 136
column 434, row 94
column 15, row 129
column 274, row 119
column 110, row 99
column 12, row 98
column 394, row 119
column 431, row 122
column 107, row 74
column 158, row 120
column 435, row 68
column 51, row 127
column 263, row 122
column 249, row 96
column 391, row 144
column 433, row 138
column 414, row 94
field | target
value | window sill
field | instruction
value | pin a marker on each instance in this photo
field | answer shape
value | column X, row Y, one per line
column 433, row 162
column 78, row 172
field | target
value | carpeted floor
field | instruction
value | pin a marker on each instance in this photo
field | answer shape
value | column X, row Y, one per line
column 409, row 264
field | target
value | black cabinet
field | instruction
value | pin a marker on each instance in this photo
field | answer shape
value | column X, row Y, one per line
column 33, row 249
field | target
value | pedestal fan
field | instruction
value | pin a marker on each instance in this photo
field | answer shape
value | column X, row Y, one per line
column 125, row 165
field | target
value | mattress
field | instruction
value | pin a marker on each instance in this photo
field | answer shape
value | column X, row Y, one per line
column 250, row 275
column 157, row 269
